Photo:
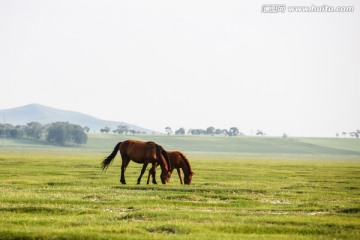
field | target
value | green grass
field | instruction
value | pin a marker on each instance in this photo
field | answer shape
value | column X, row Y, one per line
column 242, row 145
column 253, row 188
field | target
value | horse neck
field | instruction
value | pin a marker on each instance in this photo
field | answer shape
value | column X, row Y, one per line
column 163, row 164
column 185, row 164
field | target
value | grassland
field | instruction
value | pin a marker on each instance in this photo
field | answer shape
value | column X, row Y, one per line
column 243, row 188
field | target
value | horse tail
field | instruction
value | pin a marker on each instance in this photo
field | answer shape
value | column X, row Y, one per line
column 186, row 161
column 162, row 151
column 107, row 161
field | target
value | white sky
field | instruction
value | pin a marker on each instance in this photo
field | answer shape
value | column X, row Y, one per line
column 190, row 64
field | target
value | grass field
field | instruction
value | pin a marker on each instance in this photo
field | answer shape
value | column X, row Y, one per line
column 243, row 188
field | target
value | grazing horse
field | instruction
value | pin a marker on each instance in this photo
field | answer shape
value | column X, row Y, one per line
column 140, row 152
column 178, row 160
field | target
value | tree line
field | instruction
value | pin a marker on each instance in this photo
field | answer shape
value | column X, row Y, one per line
column 233, row 131
column 211, row 131
column 61, row 133
column 121, row 129
column 355, row 133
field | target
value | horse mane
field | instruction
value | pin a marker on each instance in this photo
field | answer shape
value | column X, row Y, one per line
column 186, row 161
column 163, row 152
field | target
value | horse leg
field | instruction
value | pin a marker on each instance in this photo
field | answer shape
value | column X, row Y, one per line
column 148, row 179
column 153, row 172
column 179, row 173
column 124, row 164
column 142, row 172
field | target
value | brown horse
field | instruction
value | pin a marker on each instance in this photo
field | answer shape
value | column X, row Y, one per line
column 178, row 160
column 140, row 152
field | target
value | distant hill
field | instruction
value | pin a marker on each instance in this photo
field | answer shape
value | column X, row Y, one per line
column 43, row 114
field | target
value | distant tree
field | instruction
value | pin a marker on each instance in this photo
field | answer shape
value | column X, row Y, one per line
column 218, row 131
column 261, row 133
column 86, row 129
column 133, row 131
column 194, row 132
column 5, row 130
column 17, row 132
column 34, row 130
column 284, row 135
column 57, row 133
column 76, row 134
column 121, row 129
column 225, row 132
column 63, row 133
column 180, row 131
column 168, row 130
column 210, row 131
column 198, row 132
column 233, row 131
column 355, row 134
column 105, row 130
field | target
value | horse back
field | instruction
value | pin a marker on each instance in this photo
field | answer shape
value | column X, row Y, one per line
column 139, row 151
column 175, row 159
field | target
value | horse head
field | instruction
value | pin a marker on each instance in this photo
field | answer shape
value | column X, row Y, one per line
column 188, row 178
column 168, row 176
column 165, row 177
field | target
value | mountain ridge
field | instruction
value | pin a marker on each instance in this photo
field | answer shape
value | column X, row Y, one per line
column 44, row 114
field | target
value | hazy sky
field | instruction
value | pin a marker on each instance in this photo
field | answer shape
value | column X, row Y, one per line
column 190, row 64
